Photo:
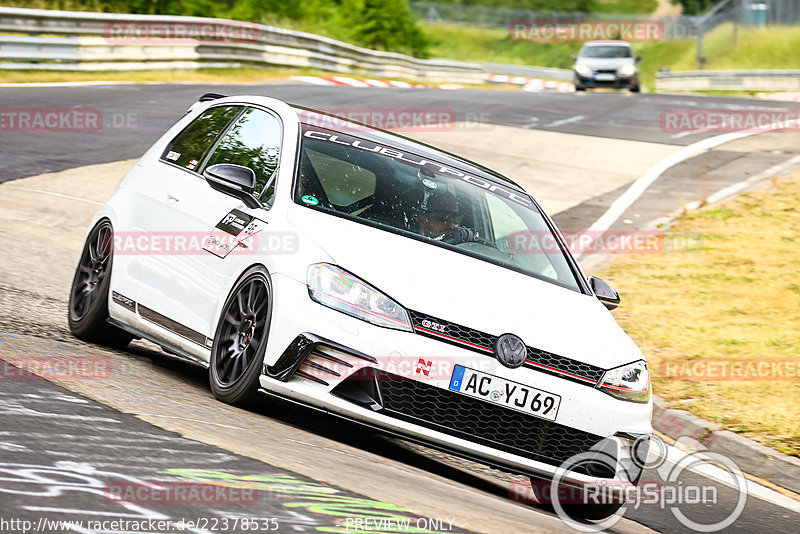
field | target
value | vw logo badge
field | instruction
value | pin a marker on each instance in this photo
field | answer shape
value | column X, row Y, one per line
column 510, row 350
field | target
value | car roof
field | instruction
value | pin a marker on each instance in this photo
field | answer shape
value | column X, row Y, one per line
column 377, row 135
column 618, row 43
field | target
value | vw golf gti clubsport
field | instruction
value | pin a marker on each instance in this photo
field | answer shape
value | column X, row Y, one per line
column 304, row 257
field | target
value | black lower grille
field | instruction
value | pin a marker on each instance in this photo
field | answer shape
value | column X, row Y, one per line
column 482, row 422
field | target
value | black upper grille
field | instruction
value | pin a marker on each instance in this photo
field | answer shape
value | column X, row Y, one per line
column 457, row 332
column 482, row 342
column 585, row 372
column 479, row 421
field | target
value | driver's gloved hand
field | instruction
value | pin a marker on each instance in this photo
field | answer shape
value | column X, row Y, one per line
column 460, row 234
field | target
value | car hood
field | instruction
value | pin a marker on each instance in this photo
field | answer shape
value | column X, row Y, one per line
column 460, row 289
column 604, row 63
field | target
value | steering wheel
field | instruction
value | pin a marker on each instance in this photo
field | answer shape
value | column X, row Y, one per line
column 464, row 234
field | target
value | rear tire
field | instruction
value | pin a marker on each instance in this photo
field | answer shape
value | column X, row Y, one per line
column 88, row 297
column 240, row 340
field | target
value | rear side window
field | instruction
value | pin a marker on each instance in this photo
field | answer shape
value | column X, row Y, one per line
column 193, row 144
column 253, row 141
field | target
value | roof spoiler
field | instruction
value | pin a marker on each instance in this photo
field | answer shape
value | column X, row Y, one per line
column 210, row 96
column 205, row 98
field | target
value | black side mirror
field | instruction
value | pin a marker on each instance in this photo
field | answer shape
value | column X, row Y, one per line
column 638, row 59
column 235, row 180
column 574, row 57
column 604, row 292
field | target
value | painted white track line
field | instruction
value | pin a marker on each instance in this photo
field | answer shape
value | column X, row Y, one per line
column 70, row 197
column 676, row 456
column 732, row 190
column 640, row 185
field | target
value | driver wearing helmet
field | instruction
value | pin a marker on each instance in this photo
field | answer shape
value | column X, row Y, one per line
column 441, row 220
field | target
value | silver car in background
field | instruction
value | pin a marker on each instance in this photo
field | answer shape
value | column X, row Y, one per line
column 606, row 64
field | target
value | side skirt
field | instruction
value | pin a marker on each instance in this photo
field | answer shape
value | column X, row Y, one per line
column 169, row 348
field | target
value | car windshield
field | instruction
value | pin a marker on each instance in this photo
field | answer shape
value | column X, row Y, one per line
column 405, row 193
column 607, row 51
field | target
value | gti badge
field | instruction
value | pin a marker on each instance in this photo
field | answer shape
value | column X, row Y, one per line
column 510, row 350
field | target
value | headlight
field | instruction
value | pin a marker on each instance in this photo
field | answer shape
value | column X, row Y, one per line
column 629, row 382
column 335, row 288
column 627, row 70
column 583, row 70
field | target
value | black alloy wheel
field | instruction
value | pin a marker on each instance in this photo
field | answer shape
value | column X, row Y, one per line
column 241, row 339
column 88, row 298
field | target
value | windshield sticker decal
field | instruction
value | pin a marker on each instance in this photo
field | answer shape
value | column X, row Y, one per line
column 421, row 163
column 308, row 199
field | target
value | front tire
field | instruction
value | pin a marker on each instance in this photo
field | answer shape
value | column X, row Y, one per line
column 88, row 297
column 240, row 340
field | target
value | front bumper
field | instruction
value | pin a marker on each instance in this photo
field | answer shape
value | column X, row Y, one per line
column 619, row 82
column 420, row 406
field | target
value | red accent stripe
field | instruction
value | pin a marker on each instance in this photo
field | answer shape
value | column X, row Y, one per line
column 560, row 371
column 492, row 352
column 454, row 339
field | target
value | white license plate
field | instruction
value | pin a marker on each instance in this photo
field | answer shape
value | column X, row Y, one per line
column 505, row 392
column 605, row 77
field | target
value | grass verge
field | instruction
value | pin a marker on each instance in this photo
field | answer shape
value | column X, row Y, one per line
column 734, row 302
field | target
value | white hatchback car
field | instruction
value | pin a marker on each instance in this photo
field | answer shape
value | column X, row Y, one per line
column 374, row 278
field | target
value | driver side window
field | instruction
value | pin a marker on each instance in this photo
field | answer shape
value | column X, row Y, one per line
column 253, row 141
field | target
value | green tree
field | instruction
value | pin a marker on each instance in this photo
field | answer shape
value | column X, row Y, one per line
column 266, row 10
column 390, row 25
column 694, row 7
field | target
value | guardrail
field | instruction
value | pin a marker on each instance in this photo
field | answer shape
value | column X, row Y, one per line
column 529, row 71
column 64, row 40
column 728, row 80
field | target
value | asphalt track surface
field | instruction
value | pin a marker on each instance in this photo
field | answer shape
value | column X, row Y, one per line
column 134, row 116
column 39, row 461
column 83, row 461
